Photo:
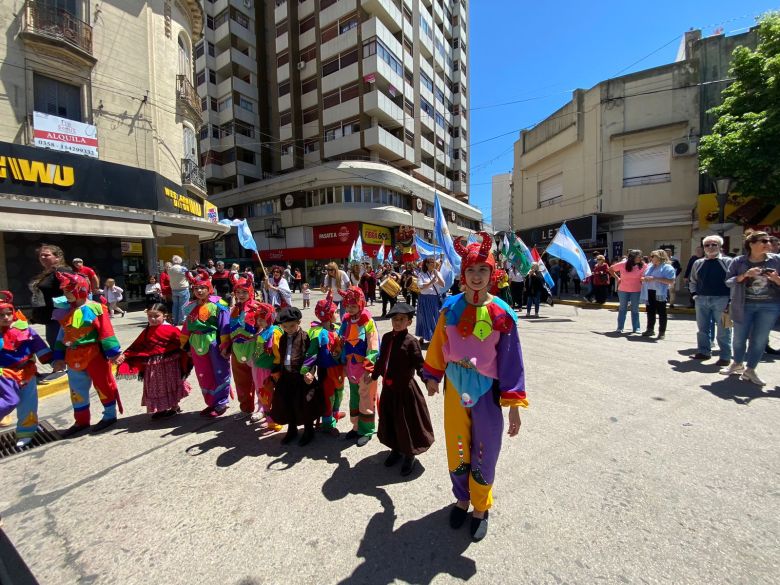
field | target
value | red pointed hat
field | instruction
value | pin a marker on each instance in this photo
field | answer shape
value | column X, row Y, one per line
column 73, row 283
column 6, row 299
column 475, row 253
column 353, row 296
column 326, row 308
column 266, row 313
column 203, row 278
column 243, row 283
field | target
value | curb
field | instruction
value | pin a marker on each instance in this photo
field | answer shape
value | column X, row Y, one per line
column 611, row 306
column 54, row 387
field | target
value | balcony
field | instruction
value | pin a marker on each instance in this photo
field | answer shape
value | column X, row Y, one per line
column 45, row 24
column 193, row 177
column 188, row 100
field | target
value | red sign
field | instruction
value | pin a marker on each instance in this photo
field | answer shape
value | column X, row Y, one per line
column 336, row 235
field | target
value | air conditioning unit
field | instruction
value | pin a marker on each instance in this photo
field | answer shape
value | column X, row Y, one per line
column 248, row 3
column 301, row 65
column 685, row 147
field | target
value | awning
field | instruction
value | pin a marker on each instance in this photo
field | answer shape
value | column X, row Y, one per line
column 316, row 253
column 63, row 224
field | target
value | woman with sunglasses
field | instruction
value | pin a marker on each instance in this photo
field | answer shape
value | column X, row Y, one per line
column 755, row 303
column 335, row 280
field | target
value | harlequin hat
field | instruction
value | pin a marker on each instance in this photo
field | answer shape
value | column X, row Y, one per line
column 401, row 309
column 353, row 296
column 245, row 284
column 6, row 300
column 326, row 308
column 74, row 283
column 288, row 315
column 203, row 278
column 475, row 253
column 266, row 313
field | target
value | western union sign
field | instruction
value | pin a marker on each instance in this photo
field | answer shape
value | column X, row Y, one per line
column 186, row 204
column 35, row 172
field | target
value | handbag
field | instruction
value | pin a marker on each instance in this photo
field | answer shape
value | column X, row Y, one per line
column 725, row 318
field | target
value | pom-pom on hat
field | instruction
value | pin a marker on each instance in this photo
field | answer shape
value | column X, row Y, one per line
column 326, row 308
column 353, row 296
column 76, row 284
column 289, row 314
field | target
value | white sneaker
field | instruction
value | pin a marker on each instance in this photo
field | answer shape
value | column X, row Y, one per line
column 732, row 369
column 256, row 417
column 749, row 375
column 22, row 443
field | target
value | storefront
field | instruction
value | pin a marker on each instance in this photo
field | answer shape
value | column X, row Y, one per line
column 586, row 231
column 117, row 218
column 740, row 214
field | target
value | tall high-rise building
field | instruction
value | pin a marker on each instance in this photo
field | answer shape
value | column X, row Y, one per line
column 349, row 111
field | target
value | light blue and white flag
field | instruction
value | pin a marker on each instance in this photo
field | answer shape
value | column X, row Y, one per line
column 390, row 256
column 443, row 237
column 356, row 255
column 472, row 239
column 380, row 255
column 565, row 247
column 425, row 249
column 548, row 279
column 245, row 237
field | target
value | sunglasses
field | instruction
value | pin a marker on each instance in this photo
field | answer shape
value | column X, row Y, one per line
column 711, row 245
column 763, row 241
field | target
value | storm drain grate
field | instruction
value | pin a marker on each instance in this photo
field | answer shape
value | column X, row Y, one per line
column 46, row 434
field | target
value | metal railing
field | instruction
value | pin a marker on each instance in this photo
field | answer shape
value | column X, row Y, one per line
column 41, row 18
column 187, row 94
column 192, row 174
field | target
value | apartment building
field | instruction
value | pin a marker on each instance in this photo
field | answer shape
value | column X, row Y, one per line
column 98, row 136
column 501, row 202
column 619, row 161
column 367, row 118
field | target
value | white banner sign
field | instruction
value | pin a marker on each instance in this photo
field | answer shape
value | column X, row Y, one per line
column 62, row 134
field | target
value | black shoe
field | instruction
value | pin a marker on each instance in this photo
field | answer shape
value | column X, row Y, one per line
column 701, row 356
column 73, row 430
column 207, row 411
column 392, row 459
column 772, row 351
column 104, row 424
column 458, row 517
column 160, row 414
column 647, row 334
column 722, row 363
column 306, row 438
column 362, row 440
column 409, row 462
column 479, row 527
column 290, row 436
column 353, row 434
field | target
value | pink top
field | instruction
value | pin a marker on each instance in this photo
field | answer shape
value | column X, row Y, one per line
column 629, row 281
column 482, row 354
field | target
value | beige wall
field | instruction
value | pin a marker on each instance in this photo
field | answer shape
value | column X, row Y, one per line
column 133, row 54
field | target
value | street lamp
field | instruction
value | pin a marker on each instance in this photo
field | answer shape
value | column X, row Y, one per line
column 722, row 188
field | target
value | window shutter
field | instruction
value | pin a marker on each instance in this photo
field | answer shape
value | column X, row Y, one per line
column 646, row 165
column 550, row 190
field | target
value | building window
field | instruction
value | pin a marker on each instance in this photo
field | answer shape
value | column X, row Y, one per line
column 349, row 92
column 281, row 28
column 308, row 85
column 282, row 58
column 426, row 107
column 308, row 54
column 210, row 22
column 331, row 99
column 329, row 33
column 212, row 53
column 56, row 98
column 306, row 24
column 326, row 3
column 287, row 148
column 284, row 88
column 200, row 78
column 199, row 50
column 426, row 81
column 204, row 132
column 348, row 23
column 239, row 17
column 348, row 58
column 550, row 190
column 330, row 67
column 285, row 118
column 225, row 104
column 246, row 103
column 645, row 166
column 212, row 76
column 311, row 146
column 375, row 46
column 310, row 115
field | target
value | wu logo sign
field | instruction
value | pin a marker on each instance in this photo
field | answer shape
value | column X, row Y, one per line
column 23, row 170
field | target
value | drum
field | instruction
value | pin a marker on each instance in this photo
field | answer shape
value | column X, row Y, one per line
column 413, row 286
column 390, row 287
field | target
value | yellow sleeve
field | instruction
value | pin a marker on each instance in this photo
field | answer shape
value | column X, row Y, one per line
column 434, row 366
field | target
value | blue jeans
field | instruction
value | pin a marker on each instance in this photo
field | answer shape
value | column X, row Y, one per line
column 709, row 309
column 625, row 298
column 180, row 298
column 758, row 321
column 534, row 299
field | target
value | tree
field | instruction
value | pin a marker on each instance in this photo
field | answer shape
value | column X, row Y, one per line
column 745, row 139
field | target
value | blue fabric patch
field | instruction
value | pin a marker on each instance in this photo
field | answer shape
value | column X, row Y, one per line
column 470, row 384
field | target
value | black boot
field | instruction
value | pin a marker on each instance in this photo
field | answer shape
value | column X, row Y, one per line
column 292, row 432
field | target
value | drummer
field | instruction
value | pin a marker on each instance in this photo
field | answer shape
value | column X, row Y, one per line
column 335, row 279
column 387, row 273
column 409, row 284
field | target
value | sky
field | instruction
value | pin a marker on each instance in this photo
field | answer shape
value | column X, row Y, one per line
column 536, row 53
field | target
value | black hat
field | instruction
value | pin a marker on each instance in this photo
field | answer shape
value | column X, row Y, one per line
column 401, row 309
column 289, row 314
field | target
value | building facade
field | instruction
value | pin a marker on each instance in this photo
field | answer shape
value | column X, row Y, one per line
column 98, row 136
column 501, row 202
column 372, row 94
column 619, row 160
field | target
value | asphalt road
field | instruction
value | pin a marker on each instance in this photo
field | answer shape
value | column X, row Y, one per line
column 635, row 464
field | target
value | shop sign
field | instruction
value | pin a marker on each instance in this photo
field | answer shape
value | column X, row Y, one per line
column 57, row 133
column 582, row 228
column 740, row 210
column 375, row 234
column 184, row 202
column 132, row 249
column 336, row 235
column 211, row 212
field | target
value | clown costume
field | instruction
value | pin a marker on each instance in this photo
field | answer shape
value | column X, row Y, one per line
column 243, row 341
column 476, row 350
column 266, row 357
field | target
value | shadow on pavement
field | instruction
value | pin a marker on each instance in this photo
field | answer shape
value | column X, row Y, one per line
column 740, row 392
column 610, row 334
column 687, row 366
column 415, row 552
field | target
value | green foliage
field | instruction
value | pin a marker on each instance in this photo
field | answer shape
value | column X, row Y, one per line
column 745, row 140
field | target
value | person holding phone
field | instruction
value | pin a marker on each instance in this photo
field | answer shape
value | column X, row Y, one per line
column 755, row 303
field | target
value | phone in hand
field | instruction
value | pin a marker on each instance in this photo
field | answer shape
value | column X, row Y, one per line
column 768, row 271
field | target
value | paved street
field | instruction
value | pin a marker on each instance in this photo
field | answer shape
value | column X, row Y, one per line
column 635, row 464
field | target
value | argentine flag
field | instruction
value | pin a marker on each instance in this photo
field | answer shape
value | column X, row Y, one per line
column 542, row 268
column 565, row 247
column 245, row 237
column 380, row 255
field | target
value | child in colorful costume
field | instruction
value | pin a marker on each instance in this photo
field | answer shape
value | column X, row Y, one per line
column 19, row 345
column 87, row 343
column 266, row 357
column 297, row 399
column 477, row 346
column 325, row 353
column 361, row 346
column 243, row 341
column 404, row 421
column 156, row 357
column 206, row 328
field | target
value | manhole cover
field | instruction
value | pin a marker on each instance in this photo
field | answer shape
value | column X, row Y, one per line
column 46, row 434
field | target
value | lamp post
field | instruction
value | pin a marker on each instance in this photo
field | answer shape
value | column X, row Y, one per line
column 722, row 188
